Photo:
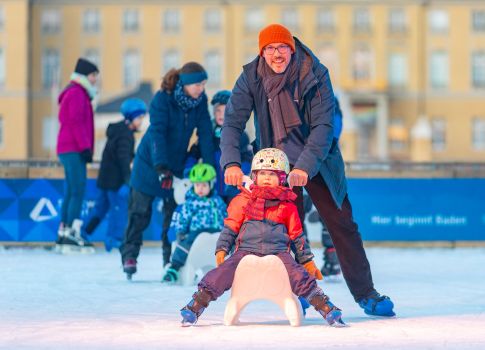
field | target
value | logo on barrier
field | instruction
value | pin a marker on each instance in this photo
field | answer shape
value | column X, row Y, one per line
column 43, row 210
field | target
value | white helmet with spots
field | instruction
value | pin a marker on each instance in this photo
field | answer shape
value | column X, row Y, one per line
column 271, row 159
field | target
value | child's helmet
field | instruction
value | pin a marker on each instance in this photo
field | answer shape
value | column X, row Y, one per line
column 202, row 173
column 271, row 159
column 221, row 98
column 133, row 108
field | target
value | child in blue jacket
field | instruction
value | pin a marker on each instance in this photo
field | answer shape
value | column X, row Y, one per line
column 202, row 211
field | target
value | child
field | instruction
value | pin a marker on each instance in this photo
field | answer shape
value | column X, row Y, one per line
column 202, row 211
column 114, row 172
column 219, row 102
column 263, row 222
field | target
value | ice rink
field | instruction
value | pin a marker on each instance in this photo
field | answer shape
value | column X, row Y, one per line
column 49, row 301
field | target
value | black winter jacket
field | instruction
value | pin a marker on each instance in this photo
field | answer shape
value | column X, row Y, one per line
column 117, row 156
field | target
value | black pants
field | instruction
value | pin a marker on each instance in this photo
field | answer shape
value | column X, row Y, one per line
column 344, row 233
column 139, row 215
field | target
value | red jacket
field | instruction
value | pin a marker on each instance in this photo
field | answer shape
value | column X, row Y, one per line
column 272, row 235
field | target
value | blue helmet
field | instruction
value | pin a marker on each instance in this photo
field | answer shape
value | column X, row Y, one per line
column 221, row 98
column 133, row 108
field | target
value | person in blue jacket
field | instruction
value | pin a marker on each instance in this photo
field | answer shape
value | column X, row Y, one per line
column 179, row 107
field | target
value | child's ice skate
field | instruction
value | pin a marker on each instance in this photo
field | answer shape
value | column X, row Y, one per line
column 129, row 267
column 331, row 313
column 171, row 276
column 192, row 311
column 331, row 266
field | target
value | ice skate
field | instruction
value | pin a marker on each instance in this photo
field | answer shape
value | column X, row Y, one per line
column 331, row 313
column 191, row 312
column 171, row 276
column 331, row 267
column 129, row 267
column 377, row 305
column 73, row 242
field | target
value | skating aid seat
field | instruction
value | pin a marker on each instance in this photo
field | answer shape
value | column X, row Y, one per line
column 262, row 278
column 200, row 260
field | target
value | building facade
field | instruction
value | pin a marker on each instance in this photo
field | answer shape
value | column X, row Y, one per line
column 396, row 66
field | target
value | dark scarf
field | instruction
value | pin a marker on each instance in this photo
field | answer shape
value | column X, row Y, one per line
column 283, row 109
column 264, row 197
column 185, row 102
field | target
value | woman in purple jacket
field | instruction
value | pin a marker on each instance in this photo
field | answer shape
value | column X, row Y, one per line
column 75, row 146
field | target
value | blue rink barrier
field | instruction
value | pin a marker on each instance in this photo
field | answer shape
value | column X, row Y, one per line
column 30, row 211
column 385, row 209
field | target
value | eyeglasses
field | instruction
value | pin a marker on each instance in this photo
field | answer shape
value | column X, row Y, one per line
column 282, row 49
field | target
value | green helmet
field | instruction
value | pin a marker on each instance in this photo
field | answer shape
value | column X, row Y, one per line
column 202, row 173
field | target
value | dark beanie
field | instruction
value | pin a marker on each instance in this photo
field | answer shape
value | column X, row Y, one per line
column 85, row 67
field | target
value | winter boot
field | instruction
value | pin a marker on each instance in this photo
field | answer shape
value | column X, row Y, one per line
column 74, row 242
column 171, row 276
column 192, row 311
column 129, row 267
column 62, row 232
column 331, row 313
column 331, row 265
column 377, row 305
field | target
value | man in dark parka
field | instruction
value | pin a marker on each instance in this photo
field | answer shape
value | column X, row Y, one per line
column 291, row 95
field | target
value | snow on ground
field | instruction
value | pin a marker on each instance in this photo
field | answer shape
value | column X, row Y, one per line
column 49, row 301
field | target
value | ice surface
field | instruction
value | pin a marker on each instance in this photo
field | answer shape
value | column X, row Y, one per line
column 49, row 301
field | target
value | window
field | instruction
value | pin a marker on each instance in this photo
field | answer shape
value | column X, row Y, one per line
column 93, row 55
column 438, row 21
column 131, row 68
column 328, row 55
column 478, row 20
column 171, row 59
column 397, row 69
column 325, row 20
column 2, row 67
column 254, row 20
column 478, row 132
column 398, row 134
column 2, row 18
column 439, row 69
column 130, row 21
column 397, row 20
column 213, row 63
column 50, row 68
column 1, row 131
column 50, row 128
column 362, row 20
column 50, row 21
column 438, row 134
column 478, row 69
column 289, row 18
column 171, row 21
column 212, row 20
column 91, row 21
column 362, row 63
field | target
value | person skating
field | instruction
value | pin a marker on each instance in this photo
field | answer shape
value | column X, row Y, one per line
column 203, row 211
column 115, row 171
column 175, row 112
column 75, row 147
column 291, row 95
column 262, row 222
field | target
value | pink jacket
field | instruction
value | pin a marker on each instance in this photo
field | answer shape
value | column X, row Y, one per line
column 76, row 118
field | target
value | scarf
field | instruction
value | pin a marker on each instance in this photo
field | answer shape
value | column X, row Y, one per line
column 265, row 197
column 84, row 82
column 185, row 102
column 283, row 110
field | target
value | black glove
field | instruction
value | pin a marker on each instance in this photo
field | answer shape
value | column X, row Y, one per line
column 165, row 177
column 87, row 156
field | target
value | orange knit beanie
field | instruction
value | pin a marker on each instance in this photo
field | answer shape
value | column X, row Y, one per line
column 275, row 33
